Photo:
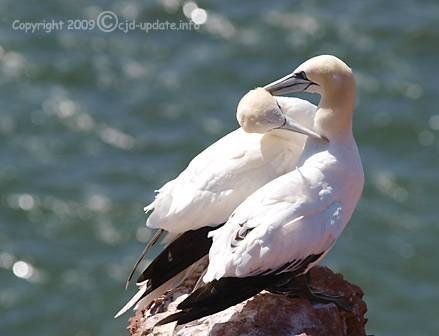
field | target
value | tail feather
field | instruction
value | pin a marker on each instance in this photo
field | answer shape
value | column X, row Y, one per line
column 132, row 302
column 171, row 266
column 217, row 296
column 147, row 248
column 175, row 281
column 171, row 318
column 221, row 294
column 144, row 296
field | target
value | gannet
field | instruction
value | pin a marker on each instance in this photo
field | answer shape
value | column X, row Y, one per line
column 288, row 225
column 216, row 181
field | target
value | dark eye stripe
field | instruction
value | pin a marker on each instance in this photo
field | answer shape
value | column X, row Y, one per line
column 301, row 75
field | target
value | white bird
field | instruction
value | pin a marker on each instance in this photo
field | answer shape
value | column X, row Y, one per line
column 288, row 225
column 228, row 171
column 216, row 181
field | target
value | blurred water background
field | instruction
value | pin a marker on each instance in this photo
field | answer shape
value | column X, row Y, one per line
column 91, row 122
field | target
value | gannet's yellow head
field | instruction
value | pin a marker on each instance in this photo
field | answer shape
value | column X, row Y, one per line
column 334, row 81
column 323, row 74
column 259, row 112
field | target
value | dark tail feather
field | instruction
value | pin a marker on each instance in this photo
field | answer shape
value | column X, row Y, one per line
column 177, row 256
column 221, row 294
column 148, row 246
column 217, row 296
column 170, row 318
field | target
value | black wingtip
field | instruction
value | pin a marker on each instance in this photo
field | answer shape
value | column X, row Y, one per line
column 221, row 294
column 170, row 318
column 188, row 248
column 188, row 315
column 216, row 296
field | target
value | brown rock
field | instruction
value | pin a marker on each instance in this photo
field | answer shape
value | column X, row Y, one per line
column 265, row 314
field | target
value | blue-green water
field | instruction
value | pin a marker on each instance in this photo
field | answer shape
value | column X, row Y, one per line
column 91, row 122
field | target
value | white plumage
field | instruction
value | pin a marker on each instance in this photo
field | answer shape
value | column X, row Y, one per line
column 290, row 223
column 299, row 214
column 303, row 212
column 218, row 179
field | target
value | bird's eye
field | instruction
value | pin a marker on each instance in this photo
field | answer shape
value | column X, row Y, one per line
column 301, row 75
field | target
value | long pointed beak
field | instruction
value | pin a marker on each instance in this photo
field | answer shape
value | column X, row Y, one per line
column 291, row 83
column 294, row 126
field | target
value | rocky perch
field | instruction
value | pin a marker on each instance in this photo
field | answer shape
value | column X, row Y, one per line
column 264, row 314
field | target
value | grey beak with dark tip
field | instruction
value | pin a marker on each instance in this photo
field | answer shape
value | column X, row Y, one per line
column 291, row 83
column 294, row 126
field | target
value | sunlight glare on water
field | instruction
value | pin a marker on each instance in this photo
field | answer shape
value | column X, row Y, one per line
column 22, row 270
